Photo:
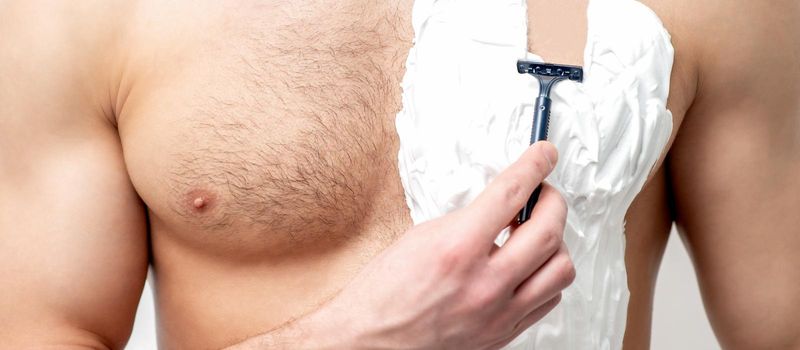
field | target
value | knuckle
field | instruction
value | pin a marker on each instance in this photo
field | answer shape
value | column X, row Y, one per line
column 539, row 167
column 539, row 157
column 556, row 227
column 550, row 239
column 496, row 330
column 514, row 190
column 560, row 207
column 562, row 204
column 504, row 272
column 559, row 226
column 566, row 272
column 556, row 299
column 508, row 325
column 554, row 155
column 485, row 296
column 452, row 257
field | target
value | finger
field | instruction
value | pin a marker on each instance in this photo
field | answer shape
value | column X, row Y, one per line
column 529, row 320
column 509, row 191
column 557, row 274
column 535, row 241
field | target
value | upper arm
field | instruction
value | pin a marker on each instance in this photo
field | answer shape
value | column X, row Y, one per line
column 735, row 171
column 73, row 243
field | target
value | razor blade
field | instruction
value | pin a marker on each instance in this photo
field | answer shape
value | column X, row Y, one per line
column 573, row 73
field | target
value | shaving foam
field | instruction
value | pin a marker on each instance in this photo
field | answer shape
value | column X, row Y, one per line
column 467, row 115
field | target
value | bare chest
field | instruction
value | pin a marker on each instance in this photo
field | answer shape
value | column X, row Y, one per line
column 264, row 132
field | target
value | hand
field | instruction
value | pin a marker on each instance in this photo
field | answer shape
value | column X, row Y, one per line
column 446, row 285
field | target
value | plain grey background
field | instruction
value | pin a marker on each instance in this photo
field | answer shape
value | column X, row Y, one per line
column 679, row 321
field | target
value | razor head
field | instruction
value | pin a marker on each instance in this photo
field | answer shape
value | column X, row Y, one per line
column 573, row 73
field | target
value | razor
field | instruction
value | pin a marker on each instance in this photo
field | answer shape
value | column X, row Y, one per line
column 548, row 76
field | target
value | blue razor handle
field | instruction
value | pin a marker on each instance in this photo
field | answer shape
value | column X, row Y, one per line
column 547, row 75
column 541, row 125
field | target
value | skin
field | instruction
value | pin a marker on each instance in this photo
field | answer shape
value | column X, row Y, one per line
column 97, row 165
column 730, row 177
column 744, row 177
column 460, row 290
column 106, row 103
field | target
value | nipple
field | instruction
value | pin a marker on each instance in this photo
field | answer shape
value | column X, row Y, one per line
column 199, row 200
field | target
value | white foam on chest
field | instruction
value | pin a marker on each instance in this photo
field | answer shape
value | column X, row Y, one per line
column 467, row 115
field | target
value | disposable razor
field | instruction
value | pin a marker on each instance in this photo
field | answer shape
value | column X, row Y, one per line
column 548, row 75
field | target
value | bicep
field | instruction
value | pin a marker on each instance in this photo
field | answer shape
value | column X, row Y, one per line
column 72, row 245
column 734, row 170
column 73, row 240
column 738, row 213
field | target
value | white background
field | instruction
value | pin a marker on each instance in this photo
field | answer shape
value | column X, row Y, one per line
column 679, row 321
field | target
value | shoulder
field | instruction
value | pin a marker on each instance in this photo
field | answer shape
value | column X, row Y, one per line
column 731, row 43
column 59, row 52
column 746, row 106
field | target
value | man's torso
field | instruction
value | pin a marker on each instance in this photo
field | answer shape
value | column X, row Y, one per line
column 261, row 139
